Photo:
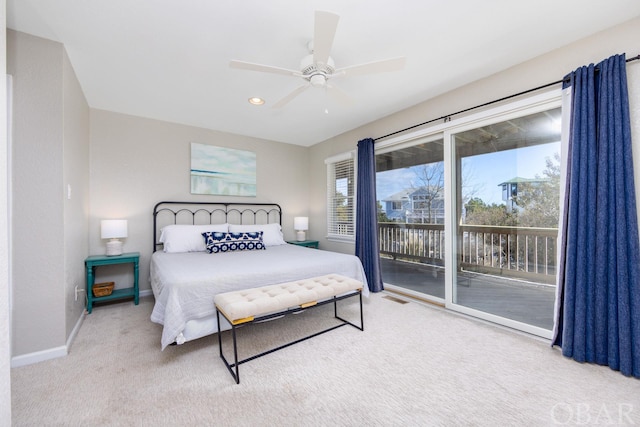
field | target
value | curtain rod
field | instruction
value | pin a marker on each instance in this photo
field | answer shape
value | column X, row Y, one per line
column 448, row 116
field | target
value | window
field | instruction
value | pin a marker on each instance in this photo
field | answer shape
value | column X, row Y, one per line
column 413, row 237
column 490, row 180
column 341, row 197
column 510, row 241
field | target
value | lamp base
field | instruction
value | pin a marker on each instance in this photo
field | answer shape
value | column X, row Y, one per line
column 301, row 236
column 114, row 247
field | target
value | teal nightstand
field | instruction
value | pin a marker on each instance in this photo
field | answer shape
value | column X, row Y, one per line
column 94, row 261
column 306, row 243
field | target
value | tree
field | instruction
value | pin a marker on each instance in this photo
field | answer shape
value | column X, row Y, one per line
column 475, row 204
column 540, row 201
column 382, row 215
column 479, row 213
column 430, row 180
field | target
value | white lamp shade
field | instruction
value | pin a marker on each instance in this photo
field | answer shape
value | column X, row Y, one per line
column 113, row 228
column 301, row 223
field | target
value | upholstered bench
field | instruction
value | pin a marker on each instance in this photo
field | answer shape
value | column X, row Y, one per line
column 268, row 302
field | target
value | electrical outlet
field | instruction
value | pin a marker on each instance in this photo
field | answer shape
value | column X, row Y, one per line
column 78, row 290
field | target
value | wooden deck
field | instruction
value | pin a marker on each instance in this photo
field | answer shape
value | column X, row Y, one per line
column 523, row 301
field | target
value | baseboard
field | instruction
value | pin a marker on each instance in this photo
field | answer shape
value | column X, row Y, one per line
column 146, row 293
column 38, row 356
column 54, row 353
column 75, row 330
column 51, row 353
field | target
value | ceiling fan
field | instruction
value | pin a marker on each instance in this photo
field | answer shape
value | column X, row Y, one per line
column 318, row 68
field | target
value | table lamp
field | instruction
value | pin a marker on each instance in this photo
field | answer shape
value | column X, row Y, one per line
column 301, row 224
column 113, row 229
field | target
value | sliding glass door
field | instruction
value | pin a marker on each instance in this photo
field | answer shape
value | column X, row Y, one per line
column 507, row 184
column 410, row 194
column 468, row 214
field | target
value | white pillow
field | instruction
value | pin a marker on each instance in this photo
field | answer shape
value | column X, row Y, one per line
column 271, row 236
column 188, row 238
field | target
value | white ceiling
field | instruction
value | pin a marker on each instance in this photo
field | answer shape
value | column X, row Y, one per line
column 169, row 59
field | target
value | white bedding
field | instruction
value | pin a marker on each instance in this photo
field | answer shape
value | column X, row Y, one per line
column 184, row 284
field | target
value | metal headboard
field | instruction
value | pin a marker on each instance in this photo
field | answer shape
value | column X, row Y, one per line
column 195, row 213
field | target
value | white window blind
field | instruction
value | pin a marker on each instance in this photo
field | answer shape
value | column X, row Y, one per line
column 341, row 197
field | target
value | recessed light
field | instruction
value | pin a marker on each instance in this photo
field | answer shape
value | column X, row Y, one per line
column 256, row 101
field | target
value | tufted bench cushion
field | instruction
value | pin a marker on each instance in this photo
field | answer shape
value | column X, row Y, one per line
column 244, row 305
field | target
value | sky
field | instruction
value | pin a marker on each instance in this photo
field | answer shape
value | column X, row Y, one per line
column 484, row 171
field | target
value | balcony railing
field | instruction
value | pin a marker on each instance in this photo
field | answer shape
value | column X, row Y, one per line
column 522, row 252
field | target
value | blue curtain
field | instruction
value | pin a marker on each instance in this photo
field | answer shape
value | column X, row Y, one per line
column 598, row 313
column 367, row 248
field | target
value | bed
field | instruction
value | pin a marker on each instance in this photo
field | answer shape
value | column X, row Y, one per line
column 185, row 276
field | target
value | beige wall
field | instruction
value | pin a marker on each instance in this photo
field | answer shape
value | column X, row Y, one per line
column 49, row 232
column 37, row 216
column 138, row 162
column 76, row 204
column 537, row 72
column 5, row 342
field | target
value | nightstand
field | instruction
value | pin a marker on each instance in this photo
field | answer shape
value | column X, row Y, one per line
column 94, row 261
column 306, row 243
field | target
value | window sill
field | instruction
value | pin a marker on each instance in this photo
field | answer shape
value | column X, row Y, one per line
column 341, row 239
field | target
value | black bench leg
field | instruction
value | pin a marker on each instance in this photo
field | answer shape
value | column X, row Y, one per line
column 335, row 313
column 235, row 355
column 236, row 374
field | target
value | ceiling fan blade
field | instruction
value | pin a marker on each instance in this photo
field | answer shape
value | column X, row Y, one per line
column 393, row 64
column 325, row 27
column 339, row 95
column 291, row 96
column 262, row 68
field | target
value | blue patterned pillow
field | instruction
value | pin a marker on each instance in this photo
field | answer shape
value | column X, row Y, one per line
column 218, row 242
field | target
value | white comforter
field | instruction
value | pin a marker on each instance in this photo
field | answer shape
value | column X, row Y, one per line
column 184, row 284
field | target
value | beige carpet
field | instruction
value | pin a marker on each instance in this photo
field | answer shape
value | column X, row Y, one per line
column 413, row 365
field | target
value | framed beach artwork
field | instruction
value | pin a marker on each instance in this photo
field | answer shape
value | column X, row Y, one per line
column 222, row 171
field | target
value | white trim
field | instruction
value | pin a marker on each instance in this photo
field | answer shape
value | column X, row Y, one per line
column 340, row 238
column 330, row 163
column 543, row 101
column 145, row 293
column 9, row 177
column 340, row 157
column 75, row 330
column 534, row 104
column 450, row 220
column 389, row 146
column 504, row 321
column 564, row 156
column 39, row 356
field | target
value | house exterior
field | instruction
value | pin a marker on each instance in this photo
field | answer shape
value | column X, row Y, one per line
column 515, row 186
column 416, row 206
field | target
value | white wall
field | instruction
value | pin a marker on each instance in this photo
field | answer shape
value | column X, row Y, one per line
column 37, row 216
column 534, row 73
column 76, row 204
column 137, row 162
column 5, row 333
column 49, row 232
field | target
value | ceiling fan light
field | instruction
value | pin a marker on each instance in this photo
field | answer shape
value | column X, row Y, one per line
column 318, row 80
column 256, row 101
